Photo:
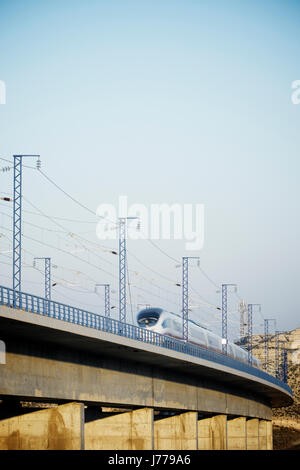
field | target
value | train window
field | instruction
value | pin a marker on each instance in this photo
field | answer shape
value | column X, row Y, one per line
column 244, row 354
column 238, row 353
column 256, row 362
column 193, row 332
column 147, row 318
column 167, row 323
column 176, row 325
column 213, row 342
column 201, row 337
column 230, row 350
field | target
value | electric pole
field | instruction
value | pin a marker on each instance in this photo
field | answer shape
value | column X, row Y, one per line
column 266, row 328
column 123, row 266
column 224, row 316
column 250, row 330
column 106, row 297
column 17, row 227
column 47, row 276
column 185, row 295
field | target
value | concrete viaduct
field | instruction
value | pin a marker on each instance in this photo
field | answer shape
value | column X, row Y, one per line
column 100, row 390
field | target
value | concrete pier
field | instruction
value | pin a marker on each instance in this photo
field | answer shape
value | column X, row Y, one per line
column 131, row 430
column 212, row 433
column 265, row 435
column 252, row 429
column 53, row 362
column 75, row 426
column 236, row 434
column 177, row 432
column 59, row 428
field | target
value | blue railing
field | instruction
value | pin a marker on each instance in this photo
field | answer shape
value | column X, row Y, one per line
column 41, row 306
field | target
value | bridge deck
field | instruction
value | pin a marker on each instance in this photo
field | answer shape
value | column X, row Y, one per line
column 207, row 364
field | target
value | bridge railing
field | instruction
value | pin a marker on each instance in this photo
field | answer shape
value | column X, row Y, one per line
column 57, row 310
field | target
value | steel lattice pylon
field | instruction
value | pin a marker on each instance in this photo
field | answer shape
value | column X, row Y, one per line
column 266, row 331
column 47, row 278
column 47, row 282
column 250, row 329
column 122, row 269
column 266, row 328
column 17, row 226
column 106, row 298
column 277, row 354
column 185, row 298
column 243, row 321
column 224, row 316
column 185, row 295
column 284, row 363
column 123, row 266
column 250, row 332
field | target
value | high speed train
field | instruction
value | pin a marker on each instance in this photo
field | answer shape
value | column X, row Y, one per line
column 170, row 324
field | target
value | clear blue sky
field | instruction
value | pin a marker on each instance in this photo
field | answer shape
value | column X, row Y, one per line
column 165, row 101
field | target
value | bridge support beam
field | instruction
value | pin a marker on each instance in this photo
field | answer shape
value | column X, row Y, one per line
column 132, row 430
column 265, row 435
column 177, row 432
column 59, row 428
column 236, row 434
column 212, row 433
column 252, row 429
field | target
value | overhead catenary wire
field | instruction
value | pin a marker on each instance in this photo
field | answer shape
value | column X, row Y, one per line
column 81, row 259
column 114, row 222
column 84, row 206
column 57, row 223
column 66, row 193
column 81, row 238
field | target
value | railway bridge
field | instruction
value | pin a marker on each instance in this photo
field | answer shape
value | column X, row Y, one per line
column 73, row 379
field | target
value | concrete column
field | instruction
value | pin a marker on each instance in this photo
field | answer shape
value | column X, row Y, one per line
column 176, row 432
column 131, row 430
column 59, row 428
column 265, row 435
column 269, row 435
column 212, row 433
column 252, row 426
column 236, row 434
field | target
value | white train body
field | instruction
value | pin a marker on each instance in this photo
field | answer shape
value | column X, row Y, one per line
column 170, row 324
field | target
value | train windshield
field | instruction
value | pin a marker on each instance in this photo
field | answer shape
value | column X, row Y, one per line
column 148, row 316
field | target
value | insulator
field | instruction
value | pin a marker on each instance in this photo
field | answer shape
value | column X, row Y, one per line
column 38, row 164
